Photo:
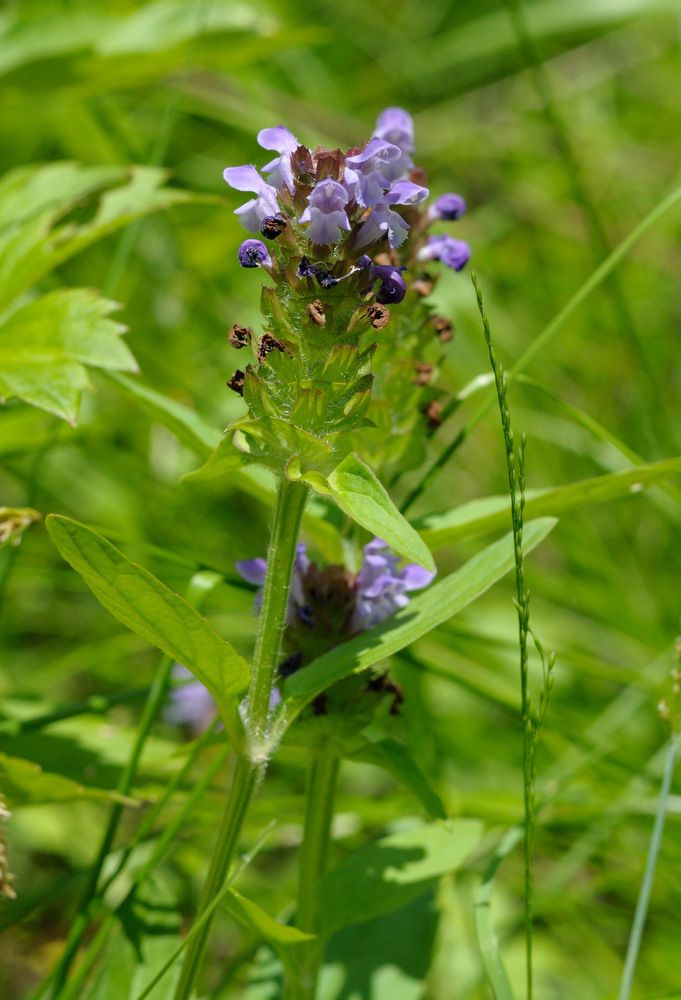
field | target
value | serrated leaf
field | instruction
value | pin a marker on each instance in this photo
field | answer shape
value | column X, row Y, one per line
column 146, row 606
column 22, row 782
column 361, row 496
column 388, row 873
column 45, row 345
column 429, row 609
column 397, row 760
column 282, row 437
column 32, row 246
column 491, row 513
column 309, row 408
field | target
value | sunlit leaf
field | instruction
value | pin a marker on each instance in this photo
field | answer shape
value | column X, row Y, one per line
column 397, row 760
column 45, row 345
column 362, row 497
column 22, row 782
column 149, row 608
column 386, row 874
column 492, row 513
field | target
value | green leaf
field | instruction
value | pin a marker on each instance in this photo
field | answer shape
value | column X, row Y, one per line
column 45, row 344
column 221, row 462
column 432, row 607
column 362, row 497
column 388, row 873
column 491, row 513
column 279, row 936
column 283, row 437
column 397, row 760
column 387, row 958
column 31, row 245
column 188, row 427
column 22, row 782
column 149, row 608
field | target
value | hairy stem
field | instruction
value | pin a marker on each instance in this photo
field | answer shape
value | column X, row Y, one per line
column 250, row 762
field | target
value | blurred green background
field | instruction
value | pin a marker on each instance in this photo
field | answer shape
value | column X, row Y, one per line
column 559, row 122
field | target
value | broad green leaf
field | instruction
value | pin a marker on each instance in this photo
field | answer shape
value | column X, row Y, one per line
column 30, row 190
column 279, row 936
column 187, row 426
column 397, row 760
column 435, row 605
column 491, row 513
column 22, row 782
column 362, row 497
column 31, row 247
column 45, row 344
column 388, row 873
column 153, row 611
column 387, row 958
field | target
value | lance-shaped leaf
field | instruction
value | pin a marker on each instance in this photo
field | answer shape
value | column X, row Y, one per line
column 153, row 611
column 432, row 607
column 23, row 782
column 279, row 936
column 492, row 513
column 361, row 496
column 45, row 345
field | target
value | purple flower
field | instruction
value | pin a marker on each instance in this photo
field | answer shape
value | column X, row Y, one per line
column 383, row 220
column 326, row 212
column 253, row 212
column 453, row 253
column 395, row 125
column 253, row 253
column 448, row 207
column 190, row 704
column 253, row 571
column 362, row 179
column 381, row 587
column 393, row 287
column 279, row 169
column 306, row 269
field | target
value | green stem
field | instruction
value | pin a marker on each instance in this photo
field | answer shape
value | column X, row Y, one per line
column 250, row 763
column 649, row 874
column 321, row 788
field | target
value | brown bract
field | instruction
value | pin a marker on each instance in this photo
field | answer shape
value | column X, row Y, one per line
column 316, row 312
column 236, row 382
column 269, row 343
column 444, row 330
column 433, row 414
column 329, row 163
column 239, row 336
column 423, row 372
column 422, row 287
column 378, row 315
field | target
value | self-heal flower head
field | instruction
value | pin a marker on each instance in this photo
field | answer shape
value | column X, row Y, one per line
column 453, row 253
column 382, row 588
column 326, row 213
column 279, row 169
column 393, row 287
column 396, row 126
column 253, row 212
column 253, row 253
column 362, row 179
column 447, row 208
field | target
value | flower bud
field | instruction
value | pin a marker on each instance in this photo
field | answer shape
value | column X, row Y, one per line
column 253, row 253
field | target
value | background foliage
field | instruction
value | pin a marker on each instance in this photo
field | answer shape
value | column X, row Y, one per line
column 558, row 123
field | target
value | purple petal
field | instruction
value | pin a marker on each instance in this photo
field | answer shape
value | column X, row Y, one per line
column 416, row 577
column 252, row 570
column 448, row 207
column 406, row 193
column 376, row 149
column 396, row 126
column 285, row 143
